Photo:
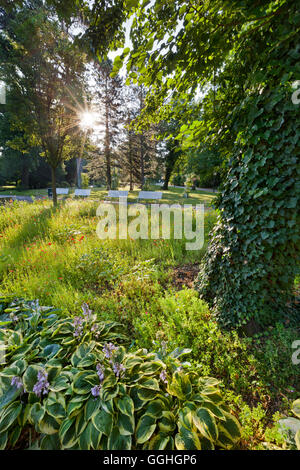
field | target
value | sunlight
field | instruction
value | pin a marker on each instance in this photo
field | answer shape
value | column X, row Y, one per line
column 88, row 120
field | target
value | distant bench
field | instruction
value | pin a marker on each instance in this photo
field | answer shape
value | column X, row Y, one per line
column 82, row 192
column 114, row 193
column 150, row 195
column 60, row 191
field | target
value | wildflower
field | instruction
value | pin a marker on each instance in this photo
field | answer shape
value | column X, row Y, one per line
column 163, row 376
column 100, row 372
column 42, row 384
column 78, row 325
column 108, row 350
column 118, row 369
column 86, row 311
column 17, row 382
column 95, row 391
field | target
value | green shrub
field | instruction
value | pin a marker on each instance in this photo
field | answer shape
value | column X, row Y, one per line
column 66, row 379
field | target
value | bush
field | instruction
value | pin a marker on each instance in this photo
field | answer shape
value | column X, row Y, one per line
column 65, row 380
column 85, row 180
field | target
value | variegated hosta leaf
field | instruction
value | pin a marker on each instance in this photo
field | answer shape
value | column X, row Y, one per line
column 180, row 386
column 297, row 439
column 126, row 405
column 186, row 439
column 103, row 421
column 145, row 428
column 117, row 441
column 167, row 423
column 206, row 424
column 159, row 442
column 229, row 431
column 9, row 415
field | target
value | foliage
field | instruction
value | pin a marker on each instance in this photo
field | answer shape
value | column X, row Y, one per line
column 67, row 380
column 245, row 275
column 243, row 57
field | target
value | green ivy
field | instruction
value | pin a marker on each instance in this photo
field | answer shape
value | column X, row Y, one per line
column 249, row 269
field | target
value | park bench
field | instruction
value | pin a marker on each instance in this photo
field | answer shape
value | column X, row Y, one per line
column 60, row 191
column 114, row 193
column 122, row 195
column 150, row 195
column 82, row 192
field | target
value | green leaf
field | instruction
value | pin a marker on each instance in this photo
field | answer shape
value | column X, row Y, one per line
column 49, row 425
column 167, row 423
column 36, row 413
column 145, row 428
column 30, row 377
column 103, row 422
column 187, row 440
column 180, row 386
column 67, row 433
column 3, row 440
column 85, row 438
column 117, row 441
column 125, row 424
column 9, row 394
column 55, row 405
column 14, row 436
column 206, row 424
column 155, row 408
column 179, row 352
column 126, row 405
column 297, row 439
column 230, row 428
column 51, row 442
column 9, row 415
column 91, row 407
column 159, row 442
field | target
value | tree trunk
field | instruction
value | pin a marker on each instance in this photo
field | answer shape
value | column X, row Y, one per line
column 25, row 176
column 142, row 161
column 167, row 178
column 54, row 195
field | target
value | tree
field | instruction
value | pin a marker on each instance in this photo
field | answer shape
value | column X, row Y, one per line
column 44, row 68
column 109, row 103
column 242, row 57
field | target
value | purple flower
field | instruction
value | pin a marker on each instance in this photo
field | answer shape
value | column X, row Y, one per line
column 86, row 311
column 163, row 376
column 95, row 391
column 100, row 372
column 78, row 325
column 118, row 369
column 42, row 384
column 108, row 350
column 17, row 382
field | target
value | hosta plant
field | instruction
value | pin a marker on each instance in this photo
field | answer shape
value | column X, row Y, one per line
column 74, row 384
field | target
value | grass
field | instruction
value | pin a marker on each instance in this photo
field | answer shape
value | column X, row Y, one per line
column 54, row 254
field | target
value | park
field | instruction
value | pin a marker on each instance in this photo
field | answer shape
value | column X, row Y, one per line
column 149, row 227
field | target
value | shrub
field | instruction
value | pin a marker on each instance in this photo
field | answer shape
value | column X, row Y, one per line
column 67, row 381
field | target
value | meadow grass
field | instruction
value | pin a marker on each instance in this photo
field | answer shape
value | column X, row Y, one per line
column 54, row 255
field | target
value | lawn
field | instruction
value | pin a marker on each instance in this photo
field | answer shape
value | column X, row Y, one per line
column 54, row 255
column 172, row 196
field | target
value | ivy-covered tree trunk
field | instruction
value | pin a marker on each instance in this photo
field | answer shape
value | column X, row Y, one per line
column 248, row 273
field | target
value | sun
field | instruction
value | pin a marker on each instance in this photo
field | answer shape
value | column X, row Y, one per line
column 88, row 120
